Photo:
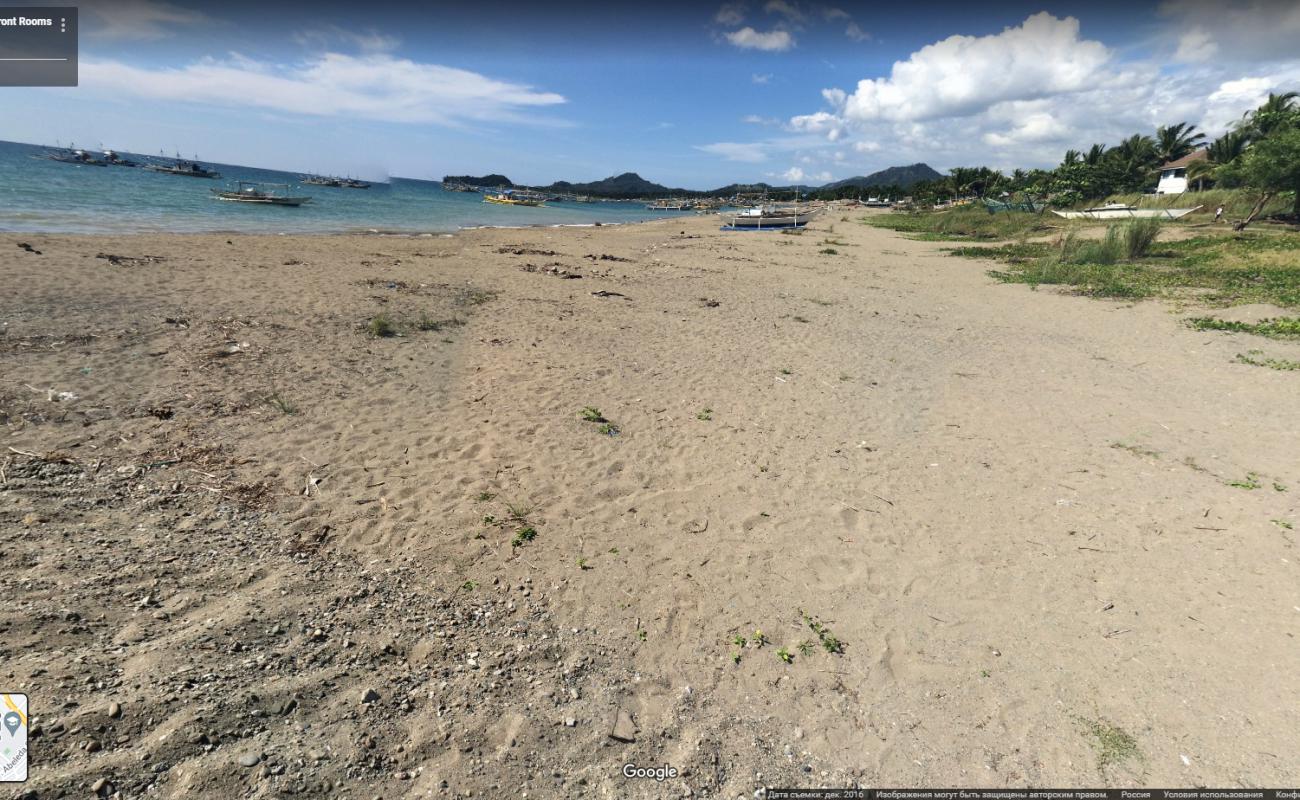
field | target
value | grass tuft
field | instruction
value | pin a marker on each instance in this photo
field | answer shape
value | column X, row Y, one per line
column 1273, row 328
column 381, row 326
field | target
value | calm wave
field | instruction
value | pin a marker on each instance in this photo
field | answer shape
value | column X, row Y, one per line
column 42, row 196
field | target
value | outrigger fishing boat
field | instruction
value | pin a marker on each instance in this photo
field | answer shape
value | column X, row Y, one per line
column 113, row 159
column 72, row 156
column 263, row 193
column 510, row 198
column 1122, row 211
column 669, row 205
column 182, row 167
column 766, row 217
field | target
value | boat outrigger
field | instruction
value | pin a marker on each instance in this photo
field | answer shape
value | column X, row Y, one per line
column 263, row 193
column 1122, row 211
column 669, row 205
column 766, row 217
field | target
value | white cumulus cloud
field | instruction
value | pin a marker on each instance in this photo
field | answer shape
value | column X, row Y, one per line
column 964, row 75
column 771, row 41
column 374, row 87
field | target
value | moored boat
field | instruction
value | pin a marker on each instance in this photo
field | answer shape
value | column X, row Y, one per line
column 73, row 156
column 1122, row 211
column 113, row 158
column 767, row 217
column 271, row 194
column 180, row 166
column 510, row 197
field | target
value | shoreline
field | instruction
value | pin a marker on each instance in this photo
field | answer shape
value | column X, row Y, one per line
column 345, row 232
column 494, row 509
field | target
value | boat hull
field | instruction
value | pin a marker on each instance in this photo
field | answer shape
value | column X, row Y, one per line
column 1127, row 213
column 743, row 222
column 504, row 202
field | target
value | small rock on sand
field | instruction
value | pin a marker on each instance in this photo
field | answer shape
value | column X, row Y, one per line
column 623, row 729
column 249, row 760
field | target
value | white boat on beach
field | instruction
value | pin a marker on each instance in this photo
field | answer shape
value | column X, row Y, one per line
column 766, row 217
column 1122, row 211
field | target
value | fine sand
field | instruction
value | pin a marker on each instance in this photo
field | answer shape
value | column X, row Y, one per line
column 248, row 549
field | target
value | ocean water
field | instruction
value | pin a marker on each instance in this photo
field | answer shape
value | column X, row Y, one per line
column 42, row 196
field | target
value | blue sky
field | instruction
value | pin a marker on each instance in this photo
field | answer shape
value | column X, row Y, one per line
column 686, row 94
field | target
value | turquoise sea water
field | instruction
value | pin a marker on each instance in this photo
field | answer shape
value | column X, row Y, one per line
column 42, row 196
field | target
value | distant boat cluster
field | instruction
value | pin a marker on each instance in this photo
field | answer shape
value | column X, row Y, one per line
column 110, row 158
column 337, row 183
column 275, row 194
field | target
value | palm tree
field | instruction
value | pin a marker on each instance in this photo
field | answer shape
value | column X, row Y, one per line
column 1071, row 157
column 1175, row 141
column 1130, row 163
column 1222, row 151
column 1278, row 111
column 1095, row 154
column 1228, row 146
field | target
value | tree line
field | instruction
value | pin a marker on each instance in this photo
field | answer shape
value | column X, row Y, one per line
column 1261, row 152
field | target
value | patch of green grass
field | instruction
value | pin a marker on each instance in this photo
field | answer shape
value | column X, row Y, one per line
column 469, row 586
column 739, row 640
column 582, row 564
column 1113, row 744
column 785, row 655
column 608, row 429
column 484, row 497
column 705, row 415
column 1135, row 449
column 613, row 550
column 281, row 403
column 1281, row 523
column 518, row 511
column 828, row 251
column 758, row 639
column 1222, row 270
column 1251, row 481
column 489, row 519
column 844, row 376
column 806, row 648
column 523, row 536
column 641, row 635
column 735, row 657
column 381, row 326
column 1273, row 328
column 967, row 222
column 1256, row 358
column 830, row 642
column 476, row 297
column 785, row 371
column 592, row 414
column 1278, row 486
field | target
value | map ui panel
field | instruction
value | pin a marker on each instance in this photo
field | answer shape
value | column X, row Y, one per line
column 38, row 46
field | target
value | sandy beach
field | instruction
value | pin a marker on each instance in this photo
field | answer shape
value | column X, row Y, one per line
column 250, row 549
